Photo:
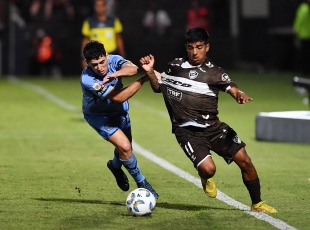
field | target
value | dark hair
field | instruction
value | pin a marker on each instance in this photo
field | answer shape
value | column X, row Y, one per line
column 93, row 50
column 196, row 34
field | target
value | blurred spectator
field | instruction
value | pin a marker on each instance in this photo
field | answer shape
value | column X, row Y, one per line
column 55, row 18
column 46, row 57
column 35, row 7
column 51, row 5
column 156, row 21
column 105, row 29
column 111, row 5
column 197, row 16
column 302, row 29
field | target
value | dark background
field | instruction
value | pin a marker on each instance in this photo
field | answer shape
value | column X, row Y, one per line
column 263, row 43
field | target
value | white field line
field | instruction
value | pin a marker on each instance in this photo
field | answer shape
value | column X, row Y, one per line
column 46, row 94
column 165, row 164
column 220, row 196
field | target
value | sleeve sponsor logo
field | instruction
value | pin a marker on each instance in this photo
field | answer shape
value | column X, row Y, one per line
column 236, row 139
column 121, row 62
column 175, row 94
column 102, row 91
column 225, row 77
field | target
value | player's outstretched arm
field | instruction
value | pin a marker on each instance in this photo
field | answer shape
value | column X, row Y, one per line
column 239, row 96
column 147, row 63
column 128, row 70
column 124, row 94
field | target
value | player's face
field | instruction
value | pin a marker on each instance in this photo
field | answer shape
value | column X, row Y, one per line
column 99, row 66
column 100, row 7
column 197, row 52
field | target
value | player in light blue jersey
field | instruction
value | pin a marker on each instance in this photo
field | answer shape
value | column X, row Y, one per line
column 105, row 108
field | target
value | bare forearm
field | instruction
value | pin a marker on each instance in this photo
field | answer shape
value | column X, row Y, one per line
column 127, row 71
column 234, row 92
column 127, row 92
column 239, row 96
column 153, row 80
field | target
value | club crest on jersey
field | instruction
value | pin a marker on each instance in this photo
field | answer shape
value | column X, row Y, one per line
column 193, row 74
column 175, row 94
column 225, row 77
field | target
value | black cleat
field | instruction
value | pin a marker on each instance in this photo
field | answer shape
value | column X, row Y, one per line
column 120, row 176
column 148, row 186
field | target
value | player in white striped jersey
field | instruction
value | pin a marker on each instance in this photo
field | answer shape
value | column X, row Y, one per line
column 190, row 87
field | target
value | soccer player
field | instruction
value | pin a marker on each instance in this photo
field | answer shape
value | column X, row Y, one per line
column 105, row 29
column 190, row 88
column 105, row 108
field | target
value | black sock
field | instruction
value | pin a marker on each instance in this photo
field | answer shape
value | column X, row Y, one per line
column 253, row 187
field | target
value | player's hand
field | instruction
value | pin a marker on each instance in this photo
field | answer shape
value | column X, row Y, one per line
column 243, row 98
column 107, row 79
column 147, row 63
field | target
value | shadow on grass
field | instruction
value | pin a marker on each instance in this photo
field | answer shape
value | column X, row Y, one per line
column 158, row 204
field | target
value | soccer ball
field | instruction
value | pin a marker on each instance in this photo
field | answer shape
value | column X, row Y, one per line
column 140, row 202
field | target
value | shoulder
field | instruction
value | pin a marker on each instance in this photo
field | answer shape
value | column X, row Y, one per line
column 116, row 19
column 92, row 22
column 116, row 58
column 117, row 61
column 177, row 62
column 110, row 21
column 178, row 67
column 212, row 68
column 91, row 19
column 87, row 76
column 216, row 72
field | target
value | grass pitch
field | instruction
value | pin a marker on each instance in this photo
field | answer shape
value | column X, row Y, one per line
column 53, row 170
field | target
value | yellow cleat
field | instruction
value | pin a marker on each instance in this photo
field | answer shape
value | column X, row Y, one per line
column 262, row 207
column 209, row 187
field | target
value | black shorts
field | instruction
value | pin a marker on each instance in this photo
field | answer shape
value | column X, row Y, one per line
column 197, row 142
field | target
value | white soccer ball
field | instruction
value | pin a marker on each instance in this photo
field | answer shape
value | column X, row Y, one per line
column 140, row 202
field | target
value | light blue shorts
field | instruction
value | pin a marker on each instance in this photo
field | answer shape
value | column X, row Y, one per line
column 107, row 126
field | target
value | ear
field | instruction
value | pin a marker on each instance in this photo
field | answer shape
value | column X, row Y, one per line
column 207, row 48
column 107, row 55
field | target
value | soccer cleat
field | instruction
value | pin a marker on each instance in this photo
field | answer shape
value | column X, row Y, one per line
column 120, row 176
column 148, row 186
column 262, row 207
column 209, row 187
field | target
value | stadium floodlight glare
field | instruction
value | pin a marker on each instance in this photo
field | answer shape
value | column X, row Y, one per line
column 302, row 86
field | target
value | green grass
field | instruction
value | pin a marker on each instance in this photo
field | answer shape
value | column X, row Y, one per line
column 53, row 170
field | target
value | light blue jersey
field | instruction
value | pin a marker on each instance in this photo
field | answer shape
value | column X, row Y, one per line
column 94, row 101
column 107, row 117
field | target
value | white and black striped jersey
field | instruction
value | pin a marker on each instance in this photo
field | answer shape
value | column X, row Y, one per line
column 191, row 92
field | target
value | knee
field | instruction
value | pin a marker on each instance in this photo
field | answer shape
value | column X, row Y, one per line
column 207, row 170
column 125, row 149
